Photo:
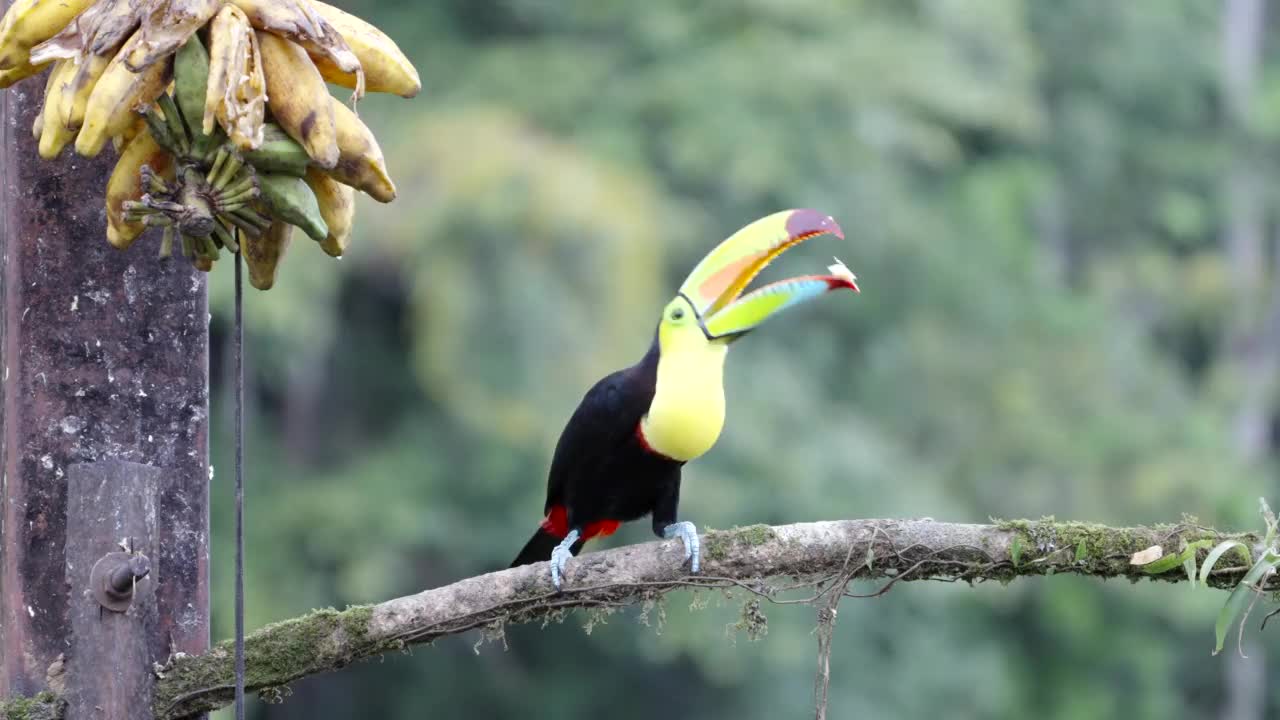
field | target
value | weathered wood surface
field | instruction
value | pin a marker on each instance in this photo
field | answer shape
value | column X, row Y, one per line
column 104, row 356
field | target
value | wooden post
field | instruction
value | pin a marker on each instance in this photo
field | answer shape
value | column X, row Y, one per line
column 111, row 505
column 104, row 358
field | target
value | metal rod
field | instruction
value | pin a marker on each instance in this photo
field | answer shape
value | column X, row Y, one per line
column 238, row 341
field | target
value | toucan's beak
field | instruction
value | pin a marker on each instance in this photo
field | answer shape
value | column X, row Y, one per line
column 714, row 286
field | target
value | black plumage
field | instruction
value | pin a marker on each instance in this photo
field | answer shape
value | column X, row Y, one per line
column 603, row 473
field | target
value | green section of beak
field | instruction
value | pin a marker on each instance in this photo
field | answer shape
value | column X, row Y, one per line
column 726, row 271
column 715, row 284
column 759, row 305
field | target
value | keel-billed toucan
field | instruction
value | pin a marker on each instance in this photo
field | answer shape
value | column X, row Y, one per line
column 620, row 455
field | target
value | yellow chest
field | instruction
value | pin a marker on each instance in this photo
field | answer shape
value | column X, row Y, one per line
column 687, row 412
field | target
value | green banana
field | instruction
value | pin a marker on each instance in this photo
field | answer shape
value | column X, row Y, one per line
column 278, row 153
column 290, row 199
column 191, row 80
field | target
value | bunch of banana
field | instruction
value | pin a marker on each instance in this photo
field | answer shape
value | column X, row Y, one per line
column 227, row 135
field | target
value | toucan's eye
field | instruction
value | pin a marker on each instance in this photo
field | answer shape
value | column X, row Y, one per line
column 677, row 313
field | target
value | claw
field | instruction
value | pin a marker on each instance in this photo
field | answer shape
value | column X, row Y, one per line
column 561, row 555
column 688, row 534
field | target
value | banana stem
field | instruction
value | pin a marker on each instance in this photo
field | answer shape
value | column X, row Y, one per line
column 228, row 171
column 154, row 183
column 219, row 159
column 166, row 243
column 234, row 201
column 252, row 216
column 246, row 182
column 173, row 119
column 209, row 248
column 249, row 228
column 226, row 237
column 160, row 132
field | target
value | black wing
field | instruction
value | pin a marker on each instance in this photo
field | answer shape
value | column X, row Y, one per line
column 605, row 418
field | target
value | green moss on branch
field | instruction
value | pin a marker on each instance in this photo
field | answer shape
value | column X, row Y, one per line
column 320, row 641
column 718, row 544
column 44, row 706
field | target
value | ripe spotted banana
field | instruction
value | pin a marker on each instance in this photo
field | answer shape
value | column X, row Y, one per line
column 298, row 98
column 76, row 92
column 120, row 141
column 55, row 136
column 37, row 127
column 26, row 24
column 386, row 69
column 262, row 253
column 125, row 184
column 338, row 208
column 298, row 21
column 360, row 161
column 135, row 72
column 21, row 72
column 118, row 94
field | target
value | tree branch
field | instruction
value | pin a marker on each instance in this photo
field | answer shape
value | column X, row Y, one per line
column 819, row 558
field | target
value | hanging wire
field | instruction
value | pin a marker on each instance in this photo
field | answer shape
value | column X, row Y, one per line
column 238, row 342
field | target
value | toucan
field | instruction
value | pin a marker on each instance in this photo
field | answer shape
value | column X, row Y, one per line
column 620, row 455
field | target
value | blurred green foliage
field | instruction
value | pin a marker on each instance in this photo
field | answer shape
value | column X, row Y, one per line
column 1031, row 194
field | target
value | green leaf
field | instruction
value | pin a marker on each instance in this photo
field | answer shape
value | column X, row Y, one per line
column 1015, row 549
column 1186, row 558
column 1270, row 518
column 1240, row 596
column 1217, row 553
column 1164, row 564
column 1080, row 551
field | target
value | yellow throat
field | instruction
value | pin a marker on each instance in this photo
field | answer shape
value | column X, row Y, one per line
column 687, row 411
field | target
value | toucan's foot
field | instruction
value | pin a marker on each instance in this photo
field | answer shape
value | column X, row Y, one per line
column 561, row 555
column 689, row 535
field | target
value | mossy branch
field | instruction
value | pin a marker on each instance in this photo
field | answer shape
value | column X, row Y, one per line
column 820, row 555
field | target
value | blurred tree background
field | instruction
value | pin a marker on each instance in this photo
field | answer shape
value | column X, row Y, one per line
column 1063, row 216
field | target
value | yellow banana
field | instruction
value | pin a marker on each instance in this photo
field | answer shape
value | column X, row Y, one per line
column 121, row 140
column 298, row 21
column 236, row 93
column 337, row 207
column 262, row 254
column 116, row 97
column 386, row 69
column 37, row 126
column 28, row 23
column 55, row 135
column 80, row 86
column 21, row 72
column 126, row 184
column 360, row 161
column 298, row 98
